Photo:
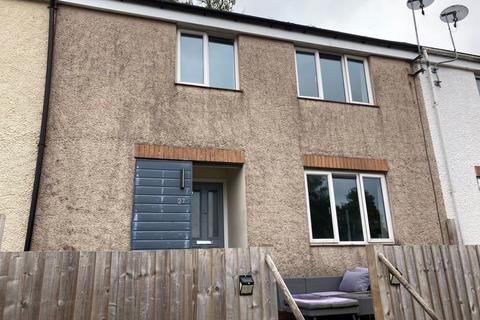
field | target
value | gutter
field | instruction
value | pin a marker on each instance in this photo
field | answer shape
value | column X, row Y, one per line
column 43, row 127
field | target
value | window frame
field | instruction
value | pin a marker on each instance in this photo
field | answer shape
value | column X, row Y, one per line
column 346, row 77
column 206, row 66
column 477, row 80
column 363, row 208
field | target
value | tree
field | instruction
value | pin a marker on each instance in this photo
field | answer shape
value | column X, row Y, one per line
column 224, row 5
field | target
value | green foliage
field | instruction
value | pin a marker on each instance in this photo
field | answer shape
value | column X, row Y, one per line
column 225, row 5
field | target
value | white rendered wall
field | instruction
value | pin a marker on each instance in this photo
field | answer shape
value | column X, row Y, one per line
column 458, row 106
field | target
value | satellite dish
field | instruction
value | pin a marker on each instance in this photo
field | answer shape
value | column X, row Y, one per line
column 454, row 14
column 419, row 4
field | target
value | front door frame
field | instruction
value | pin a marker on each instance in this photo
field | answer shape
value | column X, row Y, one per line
column 225, row 203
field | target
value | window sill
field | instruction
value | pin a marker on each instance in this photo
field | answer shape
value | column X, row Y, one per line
column 349, row 244
column 340, row 102
column 181, row 84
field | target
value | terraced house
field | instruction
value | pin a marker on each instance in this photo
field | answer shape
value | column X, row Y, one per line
column 173, row 126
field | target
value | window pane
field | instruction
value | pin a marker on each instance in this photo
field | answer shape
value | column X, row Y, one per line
column 191, row 58
column 377, row 218
column 221, row 63
column 478, row 84
column 307, row 74
column 348, row 208
column 332, row 77
column 358, row 80
column 320, row 211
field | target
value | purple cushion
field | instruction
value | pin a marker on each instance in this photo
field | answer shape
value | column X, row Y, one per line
column 324, row 303
column 354, row 282
column 360, row 269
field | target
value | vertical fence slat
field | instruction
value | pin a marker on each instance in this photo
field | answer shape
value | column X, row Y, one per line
column 161, row 285
column 244, row 268
column 4, row 263
column 218, row 284
column 395, row 294
column 231, row 287
column 422, row 278
column 257, row 292
column 13, row 288
column 114, row 282
column 203, row 284
column 176, row 284
column 405, row 296
column 86, row 267
column 469, row 283
column 474, row 261
column 189, row 288
column 412, row 278
column 67, row 286
column 47, row 300
column 459, row 282
column 440, row 273
column 436, row 301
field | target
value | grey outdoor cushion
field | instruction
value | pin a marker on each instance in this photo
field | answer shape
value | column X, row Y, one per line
column 360, row 269
column 312, row 302
column 354, row 282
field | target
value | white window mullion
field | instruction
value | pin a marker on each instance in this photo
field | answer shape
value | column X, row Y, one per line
column 346, row 79
column 333, row 208
column 319, row 75
column 364, row 209
column 206, row 70
column 367, row 79
column 237, row 66
column 179, row 65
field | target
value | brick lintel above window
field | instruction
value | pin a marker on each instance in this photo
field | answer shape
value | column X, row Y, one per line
column 344, row 163
column 152, row 151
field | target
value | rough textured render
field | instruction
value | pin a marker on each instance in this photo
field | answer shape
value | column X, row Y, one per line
column 114, row 86
column 458, row 110
column 23, row 56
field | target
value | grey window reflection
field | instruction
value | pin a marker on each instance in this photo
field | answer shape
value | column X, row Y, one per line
column 320, row 211
column 221, row 63
column 332, row 77
column 306, row 74
column 358, row 80
column 377, row 218
column 348, row 208
column 191, row 58
column 478, row 84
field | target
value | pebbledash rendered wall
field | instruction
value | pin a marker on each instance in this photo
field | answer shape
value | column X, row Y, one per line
column 23, row 56
column 458, row 107
column 114, row 86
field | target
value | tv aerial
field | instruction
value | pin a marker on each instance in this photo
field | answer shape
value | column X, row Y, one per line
column 415, row 5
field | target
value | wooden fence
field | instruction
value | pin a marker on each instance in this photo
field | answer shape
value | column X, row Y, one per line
column 176, row 284
column 447, row 279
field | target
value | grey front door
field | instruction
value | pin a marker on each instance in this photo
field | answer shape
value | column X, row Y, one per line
column 207, row 215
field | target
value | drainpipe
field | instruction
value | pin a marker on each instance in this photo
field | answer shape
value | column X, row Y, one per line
column 43, row 127
column 442, row 145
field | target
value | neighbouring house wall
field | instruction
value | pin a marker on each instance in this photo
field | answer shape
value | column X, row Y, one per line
column 458, row 114
column 114, row 86
column 23, row 56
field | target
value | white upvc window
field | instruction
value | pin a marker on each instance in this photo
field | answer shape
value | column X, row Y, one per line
column 333, row 77
column 207, row 60
column 347, row 208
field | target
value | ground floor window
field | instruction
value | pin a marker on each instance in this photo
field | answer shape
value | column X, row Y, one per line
column 347, row 208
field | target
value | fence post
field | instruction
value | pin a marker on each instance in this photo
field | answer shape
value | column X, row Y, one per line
column 377, row 283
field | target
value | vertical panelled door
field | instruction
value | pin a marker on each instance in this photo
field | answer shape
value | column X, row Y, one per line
column 172, row 212
column 162, row 205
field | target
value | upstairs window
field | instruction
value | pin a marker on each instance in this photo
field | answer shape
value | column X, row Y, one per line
column 333, row 77
column 207, row 61
column 347, row 208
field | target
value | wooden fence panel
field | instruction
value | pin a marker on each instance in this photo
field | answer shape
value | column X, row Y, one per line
column 446, row 277
column 173, row 284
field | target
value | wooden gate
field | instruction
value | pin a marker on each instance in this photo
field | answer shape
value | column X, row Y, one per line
column 438, row 282
column 176, row 284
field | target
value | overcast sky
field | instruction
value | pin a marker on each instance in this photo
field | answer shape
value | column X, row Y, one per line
column 385, row 19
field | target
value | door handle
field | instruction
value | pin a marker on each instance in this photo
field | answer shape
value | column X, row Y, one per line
column 182, row 179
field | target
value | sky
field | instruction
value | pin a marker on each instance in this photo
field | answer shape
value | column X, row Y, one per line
column 384, row 19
